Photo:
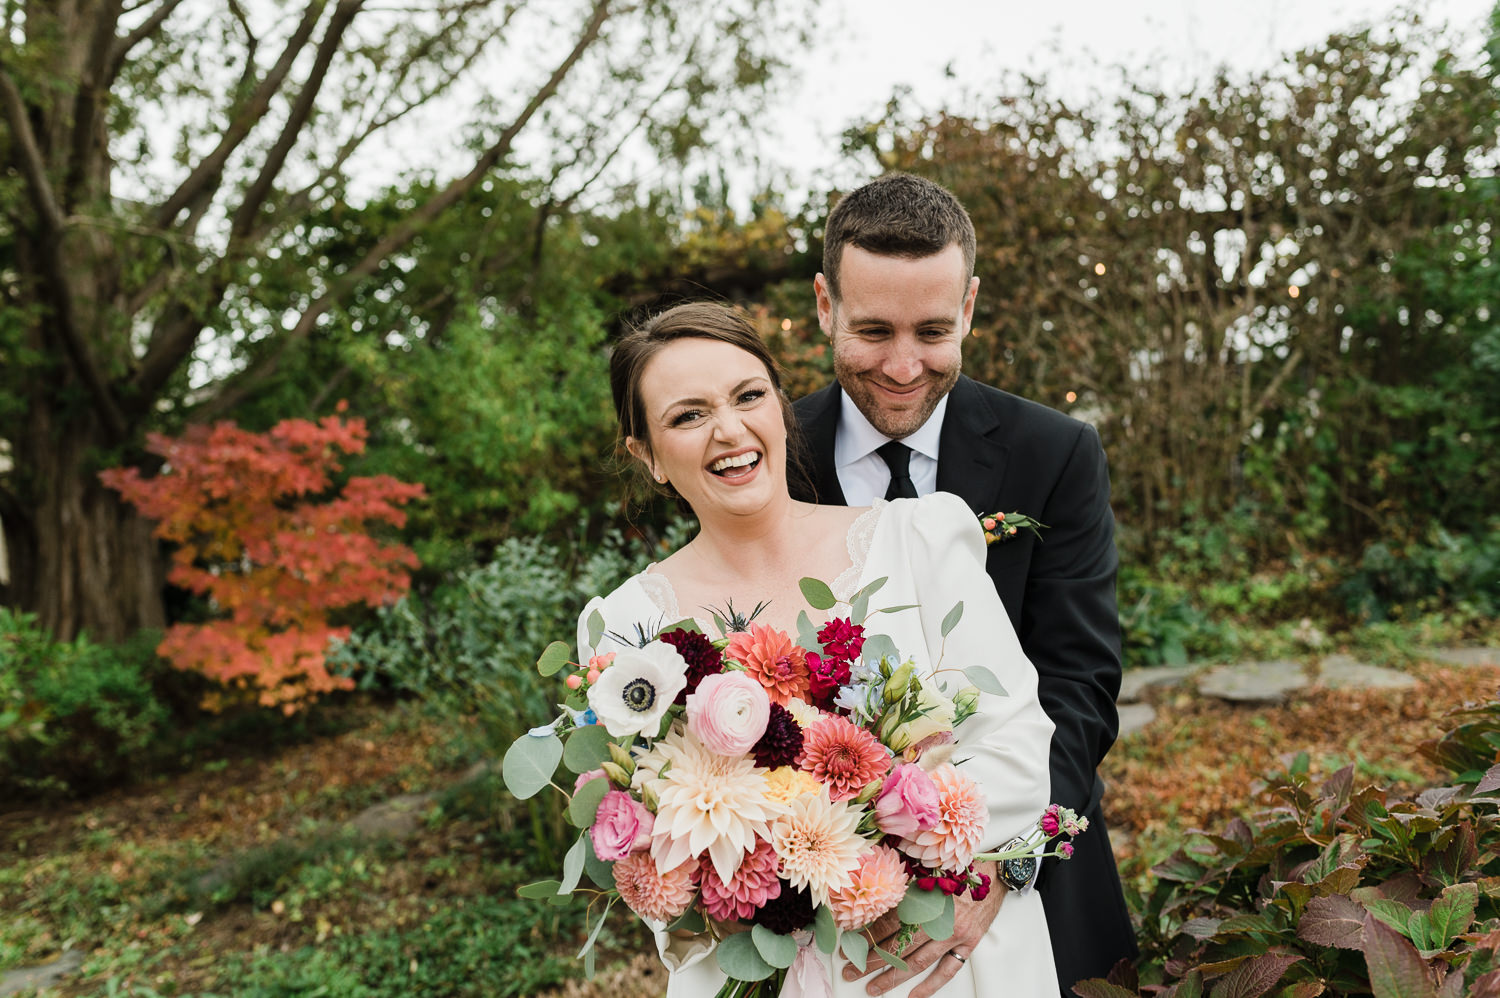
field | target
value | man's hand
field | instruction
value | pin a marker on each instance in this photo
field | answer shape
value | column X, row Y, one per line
column 971, row 920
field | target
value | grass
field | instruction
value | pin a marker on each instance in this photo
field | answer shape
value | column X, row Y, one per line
column 240, row 877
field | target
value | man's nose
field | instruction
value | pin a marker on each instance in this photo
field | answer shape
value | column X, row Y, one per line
column 903, row 362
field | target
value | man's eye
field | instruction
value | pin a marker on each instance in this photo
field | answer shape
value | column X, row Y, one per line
column 934, row 334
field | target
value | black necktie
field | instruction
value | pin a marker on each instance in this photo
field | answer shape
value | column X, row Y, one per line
column 897, row 457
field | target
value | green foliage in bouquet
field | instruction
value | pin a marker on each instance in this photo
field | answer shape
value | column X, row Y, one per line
column 1337, row 890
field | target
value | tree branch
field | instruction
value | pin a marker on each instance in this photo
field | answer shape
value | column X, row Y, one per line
column 307, row 97
column 92, row 90
column 243, row 384
column 146, row 29
column 210, row 170
column 51, row 231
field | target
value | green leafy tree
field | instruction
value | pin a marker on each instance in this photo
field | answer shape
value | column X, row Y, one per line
column 166, row 165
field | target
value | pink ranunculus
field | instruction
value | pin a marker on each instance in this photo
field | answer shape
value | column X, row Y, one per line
column 621, row 826
column 907, row 803
column 1050, row 823
column 1065, row 850
column 728, row 713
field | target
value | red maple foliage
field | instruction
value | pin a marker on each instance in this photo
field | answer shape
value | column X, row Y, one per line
column 263, row 534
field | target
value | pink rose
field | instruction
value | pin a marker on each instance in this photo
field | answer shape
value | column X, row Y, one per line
column 621, row 826
column 907, row 803
column 728, row 712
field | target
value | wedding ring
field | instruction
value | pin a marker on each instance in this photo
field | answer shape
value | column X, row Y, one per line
column 960, row 959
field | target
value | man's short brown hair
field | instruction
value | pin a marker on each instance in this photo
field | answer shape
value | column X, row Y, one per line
column 896, row 215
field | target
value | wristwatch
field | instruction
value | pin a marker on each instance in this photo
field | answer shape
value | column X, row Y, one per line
column 1020, row 873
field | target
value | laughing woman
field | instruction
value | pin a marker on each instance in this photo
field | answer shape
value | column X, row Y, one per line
column 702, row 413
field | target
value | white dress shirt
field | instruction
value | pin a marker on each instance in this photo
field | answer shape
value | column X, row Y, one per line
column 863, row 474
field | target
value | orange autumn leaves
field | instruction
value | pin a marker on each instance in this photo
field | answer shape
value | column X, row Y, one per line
column 261, row 531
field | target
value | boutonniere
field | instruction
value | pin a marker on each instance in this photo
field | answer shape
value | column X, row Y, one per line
column 1003, row 526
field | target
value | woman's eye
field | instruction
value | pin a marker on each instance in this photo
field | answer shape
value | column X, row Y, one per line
column 685, row 417
column 753, row 395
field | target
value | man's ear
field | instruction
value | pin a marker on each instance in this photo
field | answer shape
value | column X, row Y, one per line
column 969, row 298
column 825, row 304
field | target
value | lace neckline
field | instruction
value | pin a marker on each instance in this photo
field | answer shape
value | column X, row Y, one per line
column 658, row 588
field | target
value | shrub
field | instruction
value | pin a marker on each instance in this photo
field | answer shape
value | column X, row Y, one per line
column 72, row 714
column 1336, row 890
column 260, row 532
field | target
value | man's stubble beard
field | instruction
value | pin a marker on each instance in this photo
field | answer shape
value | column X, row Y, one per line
column 895, row 425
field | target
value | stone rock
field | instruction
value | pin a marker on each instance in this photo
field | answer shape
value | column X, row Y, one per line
column 397, row 818
column 45, row 976
column 1343, row 672
column 1254, row 682
column 1468, row 657
column 1135, row 682
column 1134, row 717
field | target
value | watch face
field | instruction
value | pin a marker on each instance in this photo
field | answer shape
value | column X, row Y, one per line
column 1018, row 872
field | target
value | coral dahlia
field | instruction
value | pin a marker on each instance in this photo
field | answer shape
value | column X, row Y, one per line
column 950, row 843
column 878, row 886
column 843, row 756
column 770, row 656
column 652, row 894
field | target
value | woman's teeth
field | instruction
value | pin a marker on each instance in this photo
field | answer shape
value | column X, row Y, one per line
column 738, row 461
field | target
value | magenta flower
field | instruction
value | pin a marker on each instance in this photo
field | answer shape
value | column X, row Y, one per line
column 1065, row 850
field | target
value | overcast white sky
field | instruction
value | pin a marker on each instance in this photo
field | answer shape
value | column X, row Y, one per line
column 865, row 48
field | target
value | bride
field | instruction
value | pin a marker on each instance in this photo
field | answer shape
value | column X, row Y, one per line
column 701, row 411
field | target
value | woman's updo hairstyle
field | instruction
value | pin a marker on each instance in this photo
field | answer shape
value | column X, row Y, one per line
column 694, row 320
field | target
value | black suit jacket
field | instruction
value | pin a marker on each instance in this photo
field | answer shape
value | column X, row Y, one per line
column 1003, row 453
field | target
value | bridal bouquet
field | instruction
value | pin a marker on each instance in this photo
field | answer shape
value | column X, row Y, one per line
column 778, row 794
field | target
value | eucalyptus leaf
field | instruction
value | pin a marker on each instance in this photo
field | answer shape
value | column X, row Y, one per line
column 891, row 958
column 879, row 646
column 954, row 616
column 540, row 889
column 984, row 679
column 585, row 802
column 817, row 594
column 598, row 871
column 553, row 659
column 807, row 634
column 859, row 609
column 573, row 865
column 685, row 624
column 941, row 927
column 529, row 764
column 898, row 608
column 919, row 906
column 596, row 629
column 856, row 948
column 825, row 930
column 691, row 920
column 739, row 958
column 588, row 945
column 587, row 747
column 774, row 948
column 871, row 588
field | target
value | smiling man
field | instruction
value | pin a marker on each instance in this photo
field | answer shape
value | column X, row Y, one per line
column 896, row 300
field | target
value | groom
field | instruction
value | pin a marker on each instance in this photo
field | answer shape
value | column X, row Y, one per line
column 896, row 299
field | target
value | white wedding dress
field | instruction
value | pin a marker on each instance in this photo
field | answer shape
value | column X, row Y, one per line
column 932, row 552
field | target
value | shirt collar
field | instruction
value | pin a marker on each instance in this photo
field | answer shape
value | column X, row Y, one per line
column 857, row 438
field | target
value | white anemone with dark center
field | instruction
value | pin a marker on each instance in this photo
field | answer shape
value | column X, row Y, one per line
column 631, row 696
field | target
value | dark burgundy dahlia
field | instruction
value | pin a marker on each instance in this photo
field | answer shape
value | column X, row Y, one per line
column 700, row 654
column 789, row 911
column 782, row 742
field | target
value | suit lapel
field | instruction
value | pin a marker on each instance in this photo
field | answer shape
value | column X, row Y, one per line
column 818, row 416
column 971, row 455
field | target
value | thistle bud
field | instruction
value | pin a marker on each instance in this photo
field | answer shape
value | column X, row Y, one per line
column 896, row 686
column 622, row 757
column 616, row 775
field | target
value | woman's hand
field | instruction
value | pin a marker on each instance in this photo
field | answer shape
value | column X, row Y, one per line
column 971, row 920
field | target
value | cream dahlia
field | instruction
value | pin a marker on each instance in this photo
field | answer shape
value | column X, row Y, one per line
column 708, row 802
column 752, row 885
column 843, row 756
column 878, row 886
column 818, row 844
column 950, row 843
column 804, row 713
column 771, row 657
column 653, row 894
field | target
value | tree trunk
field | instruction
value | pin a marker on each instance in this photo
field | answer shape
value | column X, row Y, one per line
column 80, row 558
